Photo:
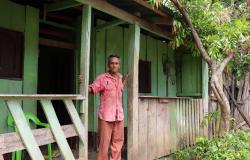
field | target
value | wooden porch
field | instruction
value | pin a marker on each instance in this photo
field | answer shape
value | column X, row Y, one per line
column 164, row 126
column 30, row 140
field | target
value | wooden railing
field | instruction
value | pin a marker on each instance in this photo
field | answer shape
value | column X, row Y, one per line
column 169, row 124
column 29, row 139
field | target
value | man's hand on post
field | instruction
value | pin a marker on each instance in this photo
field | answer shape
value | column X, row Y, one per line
column 80, row 78
column 125, row 79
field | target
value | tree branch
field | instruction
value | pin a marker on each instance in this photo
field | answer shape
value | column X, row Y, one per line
column 224, row 63
column 217, row 95
column 195, row 35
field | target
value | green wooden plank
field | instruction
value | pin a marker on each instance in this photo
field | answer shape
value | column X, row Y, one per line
column 125, row 70
column 152, row 56
column 114, row 43
column 205, row 78
column 92, row 120
column 12, row 15
column 30, row 57
column 162, row 78
column 100, row 67
column 80, row 129
column 178, row 71
column 77, row 55
column 24, row 130
column 143, row 47
column 57, row 130
column 187, row 75
column 84, row 70
column 198, row 64
column 171, row 75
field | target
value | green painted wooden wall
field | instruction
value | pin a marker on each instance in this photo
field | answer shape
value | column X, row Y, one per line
column 112, row 41
column 24, row 19
column 188, row 73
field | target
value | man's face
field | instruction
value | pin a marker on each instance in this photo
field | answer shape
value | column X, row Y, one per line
column 114, row 65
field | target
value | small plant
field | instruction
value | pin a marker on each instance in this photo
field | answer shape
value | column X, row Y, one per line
column 231, row 146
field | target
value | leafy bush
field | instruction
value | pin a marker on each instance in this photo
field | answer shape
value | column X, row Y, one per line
column 232, row 146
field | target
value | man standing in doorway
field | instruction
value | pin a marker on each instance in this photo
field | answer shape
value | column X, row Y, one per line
column 110, row 116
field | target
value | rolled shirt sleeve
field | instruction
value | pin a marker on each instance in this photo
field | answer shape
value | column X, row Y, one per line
column 97, row 86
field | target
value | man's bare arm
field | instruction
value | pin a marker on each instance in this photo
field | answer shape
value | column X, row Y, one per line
column 125, row 80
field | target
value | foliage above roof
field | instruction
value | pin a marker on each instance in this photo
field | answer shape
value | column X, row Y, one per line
column 221, row 24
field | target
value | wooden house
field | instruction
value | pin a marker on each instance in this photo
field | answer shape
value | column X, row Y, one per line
column 46, row 44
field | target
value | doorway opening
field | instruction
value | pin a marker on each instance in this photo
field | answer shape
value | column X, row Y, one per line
column 56, row 76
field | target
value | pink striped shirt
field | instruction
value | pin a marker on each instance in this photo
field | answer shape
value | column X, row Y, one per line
column 110, row 89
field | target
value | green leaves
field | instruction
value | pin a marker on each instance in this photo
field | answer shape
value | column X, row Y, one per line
column 221, row 25
column 232, row 146
column 209, row 117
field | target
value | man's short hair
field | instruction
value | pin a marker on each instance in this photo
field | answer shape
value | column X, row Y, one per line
column 112, row 56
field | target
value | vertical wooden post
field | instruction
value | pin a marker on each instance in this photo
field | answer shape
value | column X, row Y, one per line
column 84, row 70
column 205, row 94
column 204, row 79
column 133, row 60
column 31, row 36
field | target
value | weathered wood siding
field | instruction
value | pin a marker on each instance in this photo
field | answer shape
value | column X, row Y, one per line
column 169, row 124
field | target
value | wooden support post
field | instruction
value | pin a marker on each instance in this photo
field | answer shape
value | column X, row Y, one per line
column 204, row 79
column 31, row 37
column 205, row 94
column 84, row 70
column 133, row 59
column 75, row 119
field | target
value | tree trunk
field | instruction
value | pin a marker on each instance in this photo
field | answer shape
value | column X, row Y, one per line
column 217, row 88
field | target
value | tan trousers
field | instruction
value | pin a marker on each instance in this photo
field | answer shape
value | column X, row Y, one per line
column 110, row 134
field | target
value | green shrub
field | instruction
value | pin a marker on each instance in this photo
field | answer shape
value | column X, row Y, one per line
column 231, row 146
